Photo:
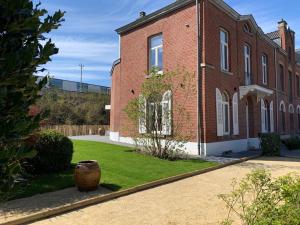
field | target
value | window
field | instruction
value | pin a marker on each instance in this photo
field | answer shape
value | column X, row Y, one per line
column 290, row 86
column 224, row 50
column 267, row 117
column 156, row 53
column 264, row 62
column 247, row 28
column 298, row 86
column 222, row 113
column 282, row 116
column 247, row 60
column 155, row 114
column 290, row 54
column 298, row 117
column 235, row 114
column 281, row 77
column 225, row 106
column 291, row 112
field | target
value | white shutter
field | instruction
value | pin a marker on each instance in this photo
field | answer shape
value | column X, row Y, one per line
column 142, row 115
column 263, row 116
column 167, row 113
column 271, row 117
column 219, row 112
column 235, row 114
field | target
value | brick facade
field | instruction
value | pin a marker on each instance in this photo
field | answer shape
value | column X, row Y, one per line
column 178, row 28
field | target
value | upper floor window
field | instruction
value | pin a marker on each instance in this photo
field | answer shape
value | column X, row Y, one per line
column 264, row 61
column 247, row 61
column 281, row 77
column 224, row 41
column 290, row 54
column 156, row 52
column 298, row 85
column 247, row 28
column 290, row 86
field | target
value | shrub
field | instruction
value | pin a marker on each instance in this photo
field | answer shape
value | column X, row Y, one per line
column 259, row 200
column 292, row 143
column 54, row 153
column 270, row 144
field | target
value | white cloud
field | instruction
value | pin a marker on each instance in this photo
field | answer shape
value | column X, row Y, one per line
column 88, row 50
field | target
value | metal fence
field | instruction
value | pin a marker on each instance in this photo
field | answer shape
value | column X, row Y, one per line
column 78, row 130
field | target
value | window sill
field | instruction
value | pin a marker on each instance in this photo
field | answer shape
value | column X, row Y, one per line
column 226, row 72
column 160, row 73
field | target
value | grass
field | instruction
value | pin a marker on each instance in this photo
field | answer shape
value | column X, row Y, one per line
column 121, row 168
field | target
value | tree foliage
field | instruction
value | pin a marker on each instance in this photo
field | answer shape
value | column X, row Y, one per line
column 148, row 110
column 259, row 200
column 23, row 49
column 72, row 108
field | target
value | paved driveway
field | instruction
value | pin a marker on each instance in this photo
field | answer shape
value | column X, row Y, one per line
column 191, row 201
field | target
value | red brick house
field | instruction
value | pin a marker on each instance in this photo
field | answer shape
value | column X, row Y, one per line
column 248, row 81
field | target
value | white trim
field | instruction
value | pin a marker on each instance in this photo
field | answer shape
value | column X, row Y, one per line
column 282, row 103
column 114, row 136
column 213, row 148
column 261, row 91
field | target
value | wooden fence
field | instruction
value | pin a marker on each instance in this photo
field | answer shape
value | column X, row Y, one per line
column 78, row 130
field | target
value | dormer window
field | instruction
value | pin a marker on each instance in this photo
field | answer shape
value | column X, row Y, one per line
column 247, row 28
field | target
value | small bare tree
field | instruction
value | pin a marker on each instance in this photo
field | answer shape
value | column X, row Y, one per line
column 159, row 114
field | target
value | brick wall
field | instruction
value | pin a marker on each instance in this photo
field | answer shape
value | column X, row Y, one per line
column 180, row 50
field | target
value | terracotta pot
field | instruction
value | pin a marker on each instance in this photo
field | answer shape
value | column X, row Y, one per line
column 87, row 175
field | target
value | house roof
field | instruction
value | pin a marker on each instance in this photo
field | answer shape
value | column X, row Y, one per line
column 157, row 14
column 273, row 35
column 116, row 62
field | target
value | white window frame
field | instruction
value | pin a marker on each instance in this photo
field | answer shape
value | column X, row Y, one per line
column 247, row 60
column 235, row 114
column 166, row 117
column 264, row 63
column 224, row 105
column 156, row 50
column 224, row 45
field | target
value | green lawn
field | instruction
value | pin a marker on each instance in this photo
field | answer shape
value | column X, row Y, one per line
column 121, row 168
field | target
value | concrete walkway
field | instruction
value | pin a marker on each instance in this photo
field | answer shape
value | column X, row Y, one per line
column 19, row 208
column 97, row 138
column 291, row 154
column 191, row 201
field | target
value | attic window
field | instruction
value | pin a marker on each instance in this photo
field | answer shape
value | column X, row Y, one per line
column 247, row 28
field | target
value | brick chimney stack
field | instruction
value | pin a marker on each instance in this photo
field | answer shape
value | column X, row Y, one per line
column 282, row 28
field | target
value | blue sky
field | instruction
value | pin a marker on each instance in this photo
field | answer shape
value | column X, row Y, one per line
column 87, row 36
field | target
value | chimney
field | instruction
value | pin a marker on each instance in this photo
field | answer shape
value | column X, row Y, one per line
column 282, row 28
column 142, row 14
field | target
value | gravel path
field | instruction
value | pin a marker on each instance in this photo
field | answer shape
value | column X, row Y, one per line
column 191, row 201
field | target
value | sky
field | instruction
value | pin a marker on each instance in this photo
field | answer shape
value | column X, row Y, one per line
column 88, row 34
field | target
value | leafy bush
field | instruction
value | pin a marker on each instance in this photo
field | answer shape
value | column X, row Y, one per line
column 292, row 143
column 270, row 144
column 54, row 153
column 259, row 200
column 25, row 48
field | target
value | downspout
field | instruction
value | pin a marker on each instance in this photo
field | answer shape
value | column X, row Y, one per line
column 199, row 75
column 276, row 90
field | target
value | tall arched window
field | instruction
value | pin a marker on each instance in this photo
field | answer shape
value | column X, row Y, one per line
column 226, row 115
column 222, row 113
column 298, row 116
column 282, row 116
column 158, row 114
column 265, row 117
column 291, row 112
